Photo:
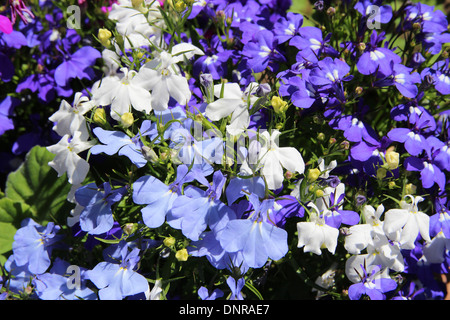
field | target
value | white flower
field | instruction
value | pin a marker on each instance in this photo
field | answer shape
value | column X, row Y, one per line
column 67, row 159
column 434, row 251
column 70, row 119
column 410, row 221
column 139, row 26
column 234, row 102
column 122, row 92
column 371, row 236
column 354, row 268
column 272, row 159
column 162, row 76
column 315, row 234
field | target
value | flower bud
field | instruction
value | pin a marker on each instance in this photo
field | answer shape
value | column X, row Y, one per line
column 321, row 136
column 149, row 154
column 358, row 90
column 381, row 173
column 182, row 255
column 319, row 193
column 169, row 241
column 410, row 188
column 127, row 119
column 100, row 116
column 206, row 80
column 313, row 174
column 392, row 159
column 179, row 6
column 130, row 228
column 104, row 35
column 136, row 3
column 278, row 104
column 263, row 90
column 391, row 185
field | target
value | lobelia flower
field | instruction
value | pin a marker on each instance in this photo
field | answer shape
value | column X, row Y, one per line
column 414, row 139
column 69, row 119
column 96, row 216
column 409, row 221
column 5, row 24
column 116, row 281
column 430, row 171
column 67, row 159
column 372, row 284
column 205, row 295
column 54, row 285
column 273, row 158
column 329, row 74
column 262, row 52
column 287, row 27
column 19, row 276
column 198, row 209
column 163, row 76
column 257, row 237
column 234, row 102
column 236, row 287
column 123, row 91
column 371, row 236
column 7, row 106
column 122, row 144
column 377, row 59
column 311, row 44
column 77, row 65
column 33, row 245
column 157, row 196
column 315, row 234
column 404, row 80
column 373, row 12
column 214, row 61
column 19, row 8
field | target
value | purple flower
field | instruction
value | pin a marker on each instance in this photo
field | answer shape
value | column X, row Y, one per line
column 311, row 44
column 287, row 27
column 262, row 52
column 205, row 295
column 330, row 75
column 376, row 59
column 403, row 80
column 7, row 106
column 78, row 65
column 214, row 61
column 6, row 68
column 236, row 287
column 372, row 285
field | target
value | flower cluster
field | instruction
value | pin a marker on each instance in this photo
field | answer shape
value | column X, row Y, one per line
column 240, row 150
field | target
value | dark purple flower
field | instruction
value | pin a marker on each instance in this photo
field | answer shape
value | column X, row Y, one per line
column 311, row 44
column 287, row 27
column 7, row 106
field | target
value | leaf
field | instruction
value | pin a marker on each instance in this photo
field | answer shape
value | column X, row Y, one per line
column 37, row 185
column 6, row 236
column 13, row 212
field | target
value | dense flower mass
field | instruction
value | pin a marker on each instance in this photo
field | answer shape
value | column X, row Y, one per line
column 224, row 150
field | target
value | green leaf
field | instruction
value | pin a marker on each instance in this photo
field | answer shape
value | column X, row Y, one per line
column 6, row 236
column 37, row 185
column 13, row 212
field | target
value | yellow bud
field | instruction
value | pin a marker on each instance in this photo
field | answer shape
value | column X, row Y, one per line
column 180, row 6
column 127, row 119
column 319, row 193
column 313, row 174
column 104, row 35
column 278, row 104
column 136, row 3
column 391, row 184
column 320, row 136
column 182, row 255
column 169, row 241
column 410, row 188
column 100, row 116
column 392, row 159
column 381, row 173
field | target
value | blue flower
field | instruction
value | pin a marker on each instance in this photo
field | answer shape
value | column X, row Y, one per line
column 311, row 44
column 116, row 281
column 197, row 209
column 7, row 106
column 287, row 27
column 257, row 237
column 119, row 142
column 158, row 197
column 96, row 217
column 372, row 285
column 236, row 287
column 205, row 295
column 33, row 245
column 55, row 285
